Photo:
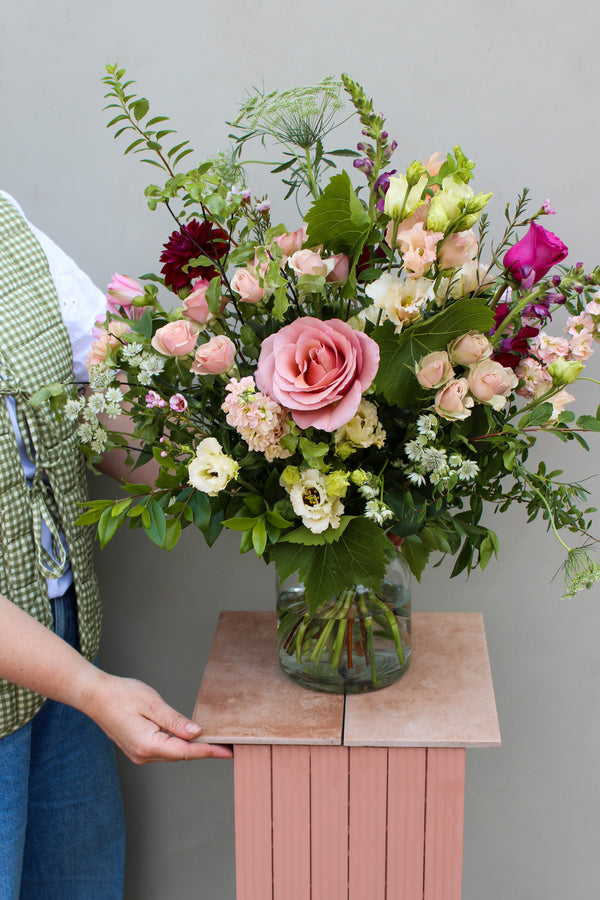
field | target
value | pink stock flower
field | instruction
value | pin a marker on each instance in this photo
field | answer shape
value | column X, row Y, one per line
column 318, row 370
column 176, row 338
column 214, row 357
column 548, row 348
column 178, row 403
column 534, row 255
column 535, row 377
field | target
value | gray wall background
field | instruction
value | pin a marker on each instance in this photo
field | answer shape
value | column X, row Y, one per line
column 516, row 84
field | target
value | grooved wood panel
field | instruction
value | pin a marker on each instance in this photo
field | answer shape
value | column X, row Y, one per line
column 368, row 823
column 329, row 822
column 444, row 817
column 406, row 823
column 291, row 823
column 253, row 822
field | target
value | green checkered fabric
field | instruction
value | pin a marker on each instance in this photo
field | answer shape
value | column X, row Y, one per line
column 35, row 350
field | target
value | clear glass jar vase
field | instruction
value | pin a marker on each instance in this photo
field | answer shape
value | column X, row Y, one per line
column 359, row 641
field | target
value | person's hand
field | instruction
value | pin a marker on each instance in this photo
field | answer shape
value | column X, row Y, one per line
column 146, row 728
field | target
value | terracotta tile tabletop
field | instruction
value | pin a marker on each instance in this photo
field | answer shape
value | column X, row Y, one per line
column 446, row 699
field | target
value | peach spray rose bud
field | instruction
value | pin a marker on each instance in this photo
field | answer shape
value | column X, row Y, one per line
column 195, row 305
column 176, row 338
column 246, row 284
column 214, row 357
column 310, row 262
column 453, row 401
column 469, row 349
column 290, row 243
column 434, row 370
column 490, row 382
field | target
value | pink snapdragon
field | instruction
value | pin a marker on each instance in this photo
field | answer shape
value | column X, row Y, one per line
column 259, row 420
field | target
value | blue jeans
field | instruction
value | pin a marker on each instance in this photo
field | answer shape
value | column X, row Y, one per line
column 62, row 830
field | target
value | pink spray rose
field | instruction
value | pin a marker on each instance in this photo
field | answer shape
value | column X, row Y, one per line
column 534, row 255
column 310, row 262
column 195, row 305
column 469, row 349
column 107, row 340
column 214, row 357
column 246, row 284
column 452, row 401
column 341, row 270
column 176, row 338
column 434, row 370
column 291, row 242
column 318, row 370
column 490, row 382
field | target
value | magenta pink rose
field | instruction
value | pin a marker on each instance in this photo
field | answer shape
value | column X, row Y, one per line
column 318, row 370
column 534, row 255
column 214, row 357
column 176, row 338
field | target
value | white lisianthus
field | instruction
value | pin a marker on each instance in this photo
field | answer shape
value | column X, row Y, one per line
column 310, row 500
column 400, row 299
column 211, row 469
column 363, row 430
column 399, row 200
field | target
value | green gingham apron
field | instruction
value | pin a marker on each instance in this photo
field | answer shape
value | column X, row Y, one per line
column 35, row 350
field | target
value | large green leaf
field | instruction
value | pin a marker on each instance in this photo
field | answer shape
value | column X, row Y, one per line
column 337, row 219
column 396, row 378
column 357, row 557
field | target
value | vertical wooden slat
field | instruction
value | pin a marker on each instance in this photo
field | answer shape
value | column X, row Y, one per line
column 329, row 822
column 253, row 839
column 444, row 819
column 291, row 822
column 406, row 822
column 368, row 823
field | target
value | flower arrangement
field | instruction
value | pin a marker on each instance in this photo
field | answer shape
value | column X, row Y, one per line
column 369, row 375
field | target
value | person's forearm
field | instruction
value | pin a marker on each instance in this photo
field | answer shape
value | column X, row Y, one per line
column 37, row 659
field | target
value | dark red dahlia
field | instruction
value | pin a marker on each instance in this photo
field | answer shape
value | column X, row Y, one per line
column 193, row 239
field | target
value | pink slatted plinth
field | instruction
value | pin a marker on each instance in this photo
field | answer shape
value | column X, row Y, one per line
column 357, row 798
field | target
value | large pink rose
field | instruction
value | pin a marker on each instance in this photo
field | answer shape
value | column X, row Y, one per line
column 534, row 255
column 318, row 370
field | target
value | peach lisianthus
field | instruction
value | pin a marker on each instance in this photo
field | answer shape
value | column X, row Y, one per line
column 104, row 343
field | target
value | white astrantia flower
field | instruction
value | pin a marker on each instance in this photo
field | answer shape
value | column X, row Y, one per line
column 435, row 461
column 130, row 351
column 96, row 404
column 414, row 450
column 416, row 478
column 73, row 408
column 427, row 425
column 85, row 432
column 151, row 364
column 455, row 461
column 378, row 512
column 98, row 443
column 101, row 378
column 211, row 469
column 468, row 470
column 310, row 501
column 113, row 395
column 113, row 410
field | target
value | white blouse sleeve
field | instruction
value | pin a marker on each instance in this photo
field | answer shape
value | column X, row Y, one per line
column 81, row 302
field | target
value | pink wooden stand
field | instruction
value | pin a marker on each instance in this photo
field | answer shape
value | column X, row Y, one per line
column 357, row 798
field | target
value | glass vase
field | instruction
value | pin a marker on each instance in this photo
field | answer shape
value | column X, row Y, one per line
column 359, row 641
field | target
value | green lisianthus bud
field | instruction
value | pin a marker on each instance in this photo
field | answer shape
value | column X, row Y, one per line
column 563, row 371
column 437, row 218
column 359, row 476
column 289, row 477
column 345, row 450
column 415, row 172
column 477, row 203
column 337, row 483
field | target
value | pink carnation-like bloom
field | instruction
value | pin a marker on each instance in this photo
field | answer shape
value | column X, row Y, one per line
column 318, row 370
column 178, row 403
column 153, row 399
column 259, row 420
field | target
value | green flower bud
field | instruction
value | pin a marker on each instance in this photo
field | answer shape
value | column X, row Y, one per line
column 337, row 483
column 345, row 450
column 289, row 477
column 359, row 476
column 414, row 172
column 565, row 371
